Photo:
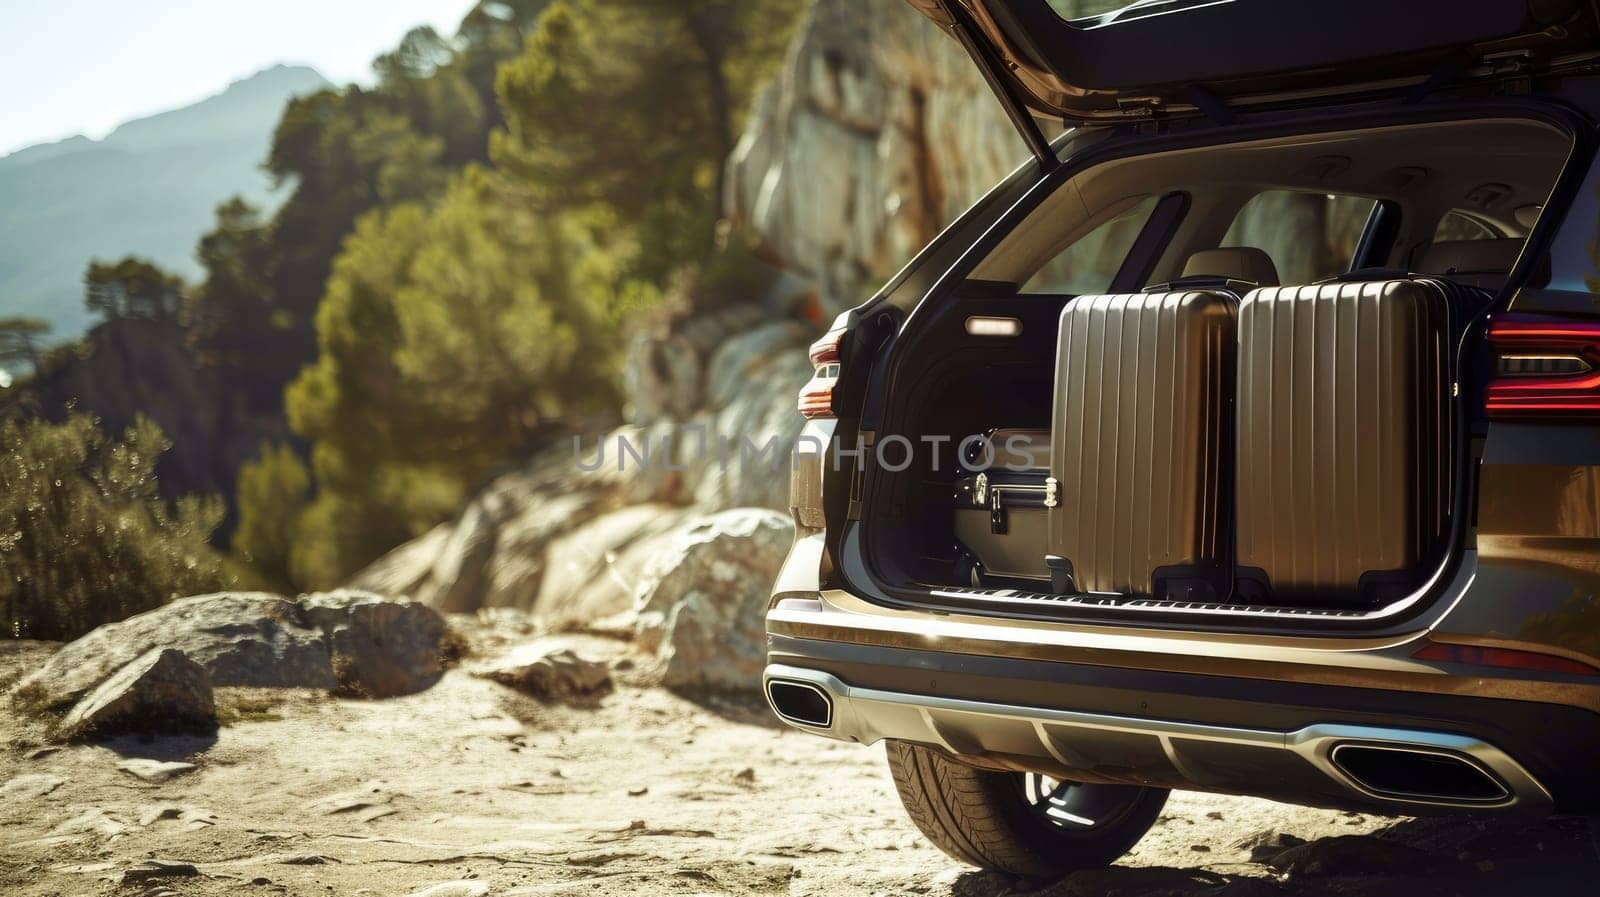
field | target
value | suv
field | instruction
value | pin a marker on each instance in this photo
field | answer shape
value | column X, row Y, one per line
column 1246, row 439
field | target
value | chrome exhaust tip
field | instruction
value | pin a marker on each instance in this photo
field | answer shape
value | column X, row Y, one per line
column 1420, row 774
column 801, row 703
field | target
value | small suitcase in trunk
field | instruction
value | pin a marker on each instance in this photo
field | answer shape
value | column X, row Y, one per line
column 1140, row 445
column 1342, row 426
column 1000, row 510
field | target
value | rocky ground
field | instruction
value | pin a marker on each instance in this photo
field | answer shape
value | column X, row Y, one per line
column 472, row 787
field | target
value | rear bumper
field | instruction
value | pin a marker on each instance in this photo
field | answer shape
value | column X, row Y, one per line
column 1269, row 738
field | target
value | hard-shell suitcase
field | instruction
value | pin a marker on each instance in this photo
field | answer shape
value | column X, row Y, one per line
column 1343, row 431
column 1140, row 445
column 1000, row 507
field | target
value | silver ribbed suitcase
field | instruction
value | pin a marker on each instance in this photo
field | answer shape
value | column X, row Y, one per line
column 1342, row 429
column 1139, row 445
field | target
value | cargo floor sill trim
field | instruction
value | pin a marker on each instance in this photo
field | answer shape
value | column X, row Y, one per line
column 868, row 715
column 1020, row 598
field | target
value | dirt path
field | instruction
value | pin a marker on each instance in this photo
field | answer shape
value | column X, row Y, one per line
column 475, row 785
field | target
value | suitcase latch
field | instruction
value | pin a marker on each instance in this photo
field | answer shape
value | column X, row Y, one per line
column 997, row 516
column 980, row 490
column 1052, row 488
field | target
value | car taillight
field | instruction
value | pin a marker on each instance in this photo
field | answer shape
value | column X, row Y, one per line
column 1545, row 369
column 816, row 397
column 1504, row 658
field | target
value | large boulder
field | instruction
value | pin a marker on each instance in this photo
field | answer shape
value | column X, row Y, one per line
column 512, row 568
column 160, row 690
column 590, row 573
column 702, row 605
column 356, row 642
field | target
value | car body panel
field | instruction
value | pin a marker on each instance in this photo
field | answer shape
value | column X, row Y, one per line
column 1383, row 662
column 1538, row 542
column 1206, row 731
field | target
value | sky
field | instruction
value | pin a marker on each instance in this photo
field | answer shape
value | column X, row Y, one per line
column 85, row 66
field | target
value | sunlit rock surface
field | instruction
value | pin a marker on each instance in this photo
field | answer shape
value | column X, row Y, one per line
column 702, row 605
column 877, row 133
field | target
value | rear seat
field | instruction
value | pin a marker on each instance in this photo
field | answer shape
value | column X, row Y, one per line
column 1485, row 264
column 1234, row 270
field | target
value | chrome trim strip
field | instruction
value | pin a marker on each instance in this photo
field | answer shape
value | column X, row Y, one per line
column 975, row 597
column 867, row 716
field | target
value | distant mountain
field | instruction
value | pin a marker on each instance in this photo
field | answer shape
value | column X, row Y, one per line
column 41, row 151
column 238, row 113
column 149, row 189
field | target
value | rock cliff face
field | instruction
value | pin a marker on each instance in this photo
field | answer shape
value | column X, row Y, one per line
column 877, row 133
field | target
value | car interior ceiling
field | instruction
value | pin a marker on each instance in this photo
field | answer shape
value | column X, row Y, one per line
column 1490, row 168
column 946, row 383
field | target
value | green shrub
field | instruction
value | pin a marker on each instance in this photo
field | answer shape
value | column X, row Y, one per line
column 272, row 495
column 85, row 538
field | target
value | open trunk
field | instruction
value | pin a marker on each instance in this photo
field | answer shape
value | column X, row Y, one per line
column 1193, row 456
column 1188, row 435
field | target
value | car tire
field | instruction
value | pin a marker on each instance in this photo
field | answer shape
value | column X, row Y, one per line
column 986, row 819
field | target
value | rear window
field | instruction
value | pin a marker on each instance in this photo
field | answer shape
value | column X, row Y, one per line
column 1092, row 261
column 1310, row 236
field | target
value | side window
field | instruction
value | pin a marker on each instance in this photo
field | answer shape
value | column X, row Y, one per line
column 1461, row 226
column 1090, row 263
column 1310, row 236
column 1572, row 284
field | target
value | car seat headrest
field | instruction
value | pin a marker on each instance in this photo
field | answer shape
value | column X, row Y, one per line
column 1244, row 263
